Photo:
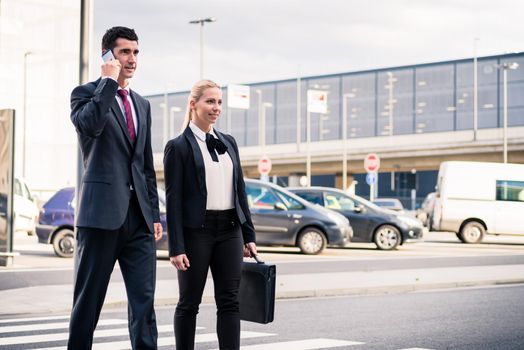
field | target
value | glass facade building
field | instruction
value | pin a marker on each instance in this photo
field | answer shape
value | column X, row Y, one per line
column 426, row 98
column 404, row 102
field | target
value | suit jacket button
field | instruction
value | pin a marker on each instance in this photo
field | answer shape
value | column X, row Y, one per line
column 202, row 226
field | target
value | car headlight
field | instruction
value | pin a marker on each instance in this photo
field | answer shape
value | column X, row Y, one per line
column 339, row 219
column 409, row 221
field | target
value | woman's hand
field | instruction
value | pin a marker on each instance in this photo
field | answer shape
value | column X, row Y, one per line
column 250, row 249
column 181, row 262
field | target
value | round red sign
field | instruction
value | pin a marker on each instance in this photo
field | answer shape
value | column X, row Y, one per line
column 264, row 165
column 372, row 163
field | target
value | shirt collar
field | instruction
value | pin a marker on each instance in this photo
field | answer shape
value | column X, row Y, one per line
column 201, row 135
column 126, row 88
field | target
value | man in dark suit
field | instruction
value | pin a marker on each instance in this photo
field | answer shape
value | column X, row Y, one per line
column 118, row 216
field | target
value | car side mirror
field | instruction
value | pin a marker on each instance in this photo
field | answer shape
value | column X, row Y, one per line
column 359, row 208
column 280, row 206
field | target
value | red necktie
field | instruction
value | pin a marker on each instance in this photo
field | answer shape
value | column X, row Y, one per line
column 129, row 117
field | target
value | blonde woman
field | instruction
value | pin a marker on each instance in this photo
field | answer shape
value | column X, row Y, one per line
column 208, row 219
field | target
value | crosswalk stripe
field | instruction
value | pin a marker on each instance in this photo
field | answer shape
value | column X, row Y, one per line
column 56, row 325
column 47, row 318
column 164, row 341
column 29, row 339
column 306, row 344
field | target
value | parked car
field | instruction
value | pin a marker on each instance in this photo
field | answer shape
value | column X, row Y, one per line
column 56, row 222
column 284, row 219
column 25, row 209
column 370, row 223
column 389, row 203
column 425, row 212
column 478, row 198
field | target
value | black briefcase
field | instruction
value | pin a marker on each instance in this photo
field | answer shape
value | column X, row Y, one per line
column 257, row 292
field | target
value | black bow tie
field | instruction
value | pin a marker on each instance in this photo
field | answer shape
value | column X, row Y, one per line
column 215, row 144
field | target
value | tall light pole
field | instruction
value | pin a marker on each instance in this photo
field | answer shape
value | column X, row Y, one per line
column 262, row 121
column 165, row 109
column 345, row 139
column 390, row 101
column 201, row 22
column 475, row 90
column 24, row 130
column 173, row 110
column 505, row 67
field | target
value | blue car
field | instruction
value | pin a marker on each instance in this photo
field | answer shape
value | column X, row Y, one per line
column 57, row 217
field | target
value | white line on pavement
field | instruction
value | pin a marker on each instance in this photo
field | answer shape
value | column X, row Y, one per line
column 56, row 325
column 165, row 341
column 38, row 338
column 46, row 318
column 306, row 344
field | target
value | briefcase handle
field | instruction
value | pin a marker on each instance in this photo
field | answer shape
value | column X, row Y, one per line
column 257, row 259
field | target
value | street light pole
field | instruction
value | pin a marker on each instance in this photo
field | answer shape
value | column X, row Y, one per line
column 165, row 109
column 308, row 145
column 390, row 102
column 201, row 22
column 505, row 67
column 345, row 138
column 24, row 130
column 475, row 90
column 173, row 110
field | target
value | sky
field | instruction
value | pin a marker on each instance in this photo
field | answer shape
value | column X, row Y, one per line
column 262, row 40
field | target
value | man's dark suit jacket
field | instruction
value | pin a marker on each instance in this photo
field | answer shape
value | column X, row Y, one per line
column 112, row 163
column 186, row 192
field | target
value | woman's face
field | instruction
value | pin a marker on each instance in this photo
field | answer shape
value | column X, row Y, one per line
column 207, row 109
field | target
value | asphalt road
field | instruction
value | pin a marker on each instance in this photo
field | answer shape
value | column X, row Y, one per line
column 37, row 264
column 470, row 318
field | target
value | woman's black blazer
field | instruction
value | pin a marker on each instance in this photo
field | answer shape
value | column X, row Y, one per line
column 186, row 192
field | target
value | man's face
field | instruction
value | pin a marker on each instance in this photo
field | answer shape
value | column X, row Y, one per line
column 126, row 52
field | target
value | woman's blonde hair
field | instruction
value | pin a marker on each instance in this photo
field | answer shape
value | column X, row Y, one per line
column 196, row 93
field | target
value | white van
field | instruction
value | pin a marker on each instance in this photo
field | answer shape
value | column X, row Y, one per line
column 476, row 198
column 25, row 208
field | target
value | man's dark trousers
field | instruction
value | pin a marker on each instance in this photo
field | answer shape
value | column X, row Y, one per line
column 133, row 245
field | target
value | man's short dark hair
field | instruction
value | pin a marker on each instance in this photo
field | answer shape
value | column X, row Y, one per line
column 112, row 34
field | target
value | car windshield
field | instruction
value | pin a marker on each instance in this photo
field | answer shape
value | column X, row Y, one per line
column 339, row 201
column 260, row 197
column 290, row 202
column 367, row 203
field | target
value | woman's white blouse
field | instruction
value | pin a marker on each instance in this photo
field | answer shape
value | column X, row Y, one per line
column 219, row 175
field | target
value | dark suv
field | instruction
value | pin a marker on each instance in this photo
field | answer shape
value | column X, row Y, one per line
column 282, row 218
column 370, row 223
column 57, row 217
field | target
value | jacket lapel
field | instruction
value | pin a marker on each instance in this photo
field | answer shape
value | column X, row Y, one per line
column 141, row 112
column 232, row 154
column 121, row 120
column 198, row 159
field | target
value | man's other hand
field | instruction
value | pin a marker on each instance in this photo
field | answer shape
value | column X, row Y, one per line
column 158, row 231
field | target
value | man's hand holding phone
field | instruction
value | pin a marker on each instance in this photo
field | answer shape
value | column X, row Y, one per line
column 111, row 66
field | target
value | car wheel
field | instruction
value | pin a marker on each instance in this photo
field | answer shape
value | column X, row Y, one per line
column 312, row 241
column 64, row 243
column 472, row 232
column 387, row 237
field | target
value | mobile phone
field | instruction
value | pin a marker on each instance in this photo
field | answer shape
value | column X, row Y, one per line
column 107, row 55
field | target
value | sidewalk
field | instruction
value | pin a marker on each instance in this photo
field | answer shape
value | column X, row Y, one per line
column 57, row 298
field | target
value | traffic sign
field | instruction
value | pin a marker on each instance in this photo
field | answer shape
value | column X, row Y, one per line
column 264, row 165
column 371, row 178
column 372, row 163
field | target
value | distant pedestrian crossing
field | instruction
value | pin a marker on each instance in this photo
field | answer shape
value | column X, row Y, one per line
column 51, row 333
